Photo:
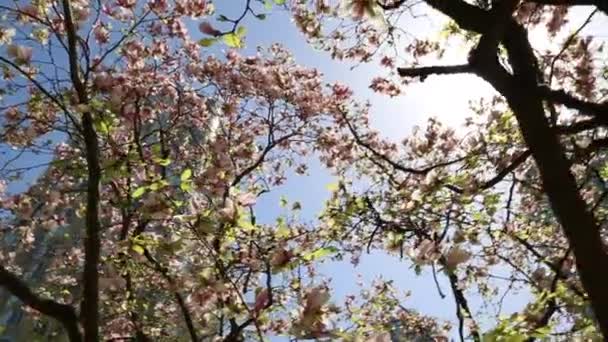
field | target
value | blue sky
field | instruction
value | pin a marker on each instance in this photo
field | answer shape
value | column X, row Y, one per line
column 445, row 98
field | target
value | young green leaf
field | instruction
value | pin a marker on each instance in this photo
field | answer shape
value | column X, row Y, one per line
column 233, row 41
column 320, row 253
column 187, row 174
column 206, row 42
column 138, row 249
column 139, row 192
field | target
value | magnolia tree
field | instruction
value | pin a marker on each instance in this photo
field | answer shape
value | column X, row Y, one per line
column 519, row 191
column 149, row 150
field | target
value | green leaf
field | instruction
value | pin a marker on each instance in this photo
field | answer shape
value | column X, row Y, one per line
column 206, row 42
column 283, row 232
column 241, row 31
column 139, row 192
column 320, row 253
column 162, row 161
column 205, row 225
column 187, row 174
column 233, row 40
column 604, row 172
column 186, row 186
column 333, row 187
column 222, row 17
column 102, row 127
column 157, row 185
column 542, row 332
column 268, row 5
column 261, row 16
column 246, row 225
column 279, row 2
column 283, row 202
column 138, row 249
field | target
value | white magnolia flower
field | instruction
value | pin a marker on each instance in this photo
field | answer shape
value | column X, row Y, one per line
column 364, row 10
column 6, row 35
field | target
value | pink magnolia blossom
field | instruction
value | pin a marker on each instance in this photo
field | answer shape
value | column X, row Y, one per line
column 315, row 299
column 158, row 6
column 122, row 13
column 247, row 199
column 228, row 212
column 261, row 301
column 103, row 81
column 101, row 33
column 126, row 3
column 206, row 28
column 456, row 256
column 21, row 54
column 281, row 257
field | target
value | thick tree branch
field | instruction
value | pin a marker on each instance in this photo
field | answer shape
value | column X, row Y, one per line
column 90, row 302
column 63, row 313
column 598, row 110
column 578, row 126
column 558, row 182
column 467, row 16
column 521, row 92
column 463, row 310
column 390, row 5
column 520, row 159
column 487, row 47
column 424, row 72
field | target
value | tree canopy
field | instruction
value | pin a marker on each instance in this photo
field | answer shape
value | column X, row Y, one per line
column 149, row 144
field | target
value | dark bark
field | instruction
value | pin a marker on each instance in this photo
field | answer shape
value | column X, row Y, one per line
column 598, row 110
column 559, row 184
column 63, row 313
column 90, row 303
column 521, row 92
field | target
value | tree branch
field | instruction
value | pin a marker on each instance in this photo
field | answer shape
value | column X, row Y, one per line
column 424, row 72
column 395, row 165
column 579, row 225
column 520, row 159
column 178, row 297
column 63, row 313
column 390, row 5
column 92, row 245
column 462, row 304
column 599, row 110
column 520, row 88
